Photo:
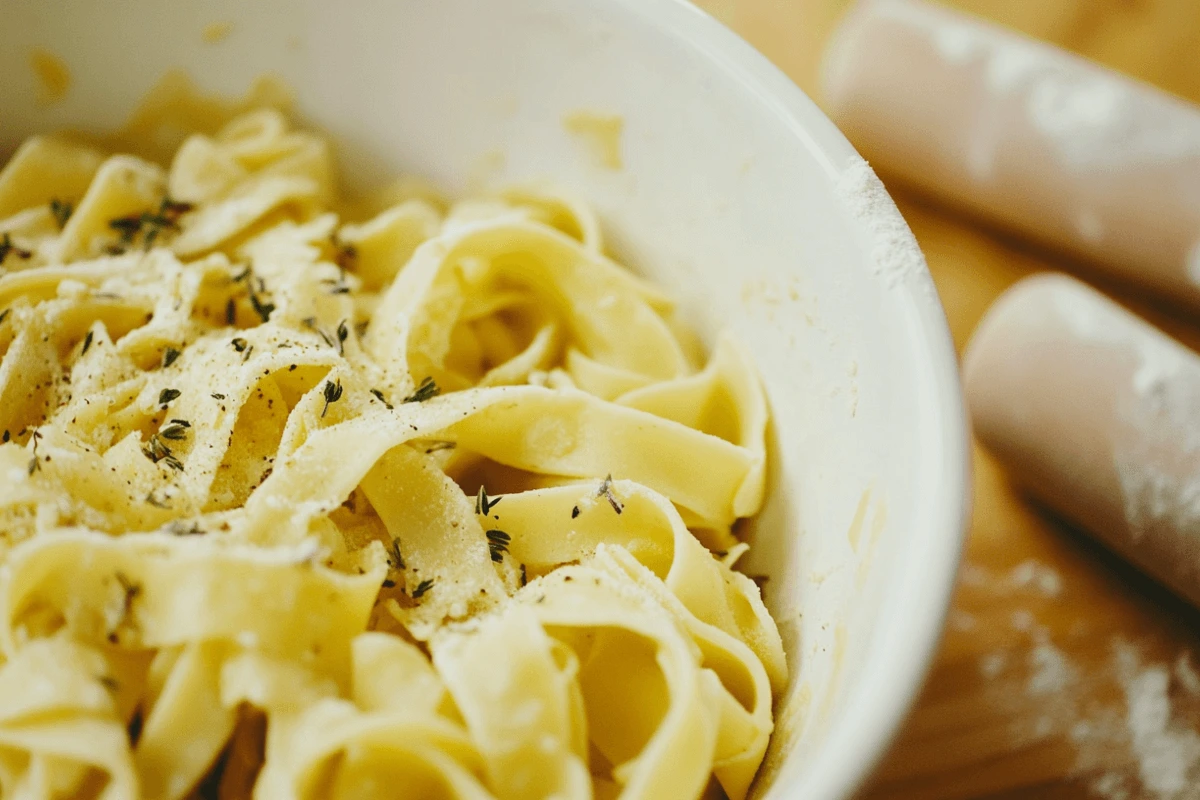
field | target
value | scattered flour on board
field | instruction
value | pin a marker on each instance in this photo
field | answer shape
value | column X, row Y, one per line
column 1031, row 574
column 1133, row 724
column 1111, row 786
column 1143, row 725
column 974, row 575
column 895, row 255
column 1166, row 754
column 959, row 620
column 993, row 664
column 1050, row 672
column 1022, row 620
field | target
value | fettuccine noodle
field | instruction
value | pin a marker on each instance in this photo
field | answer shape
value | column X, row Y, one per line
column 304, row 499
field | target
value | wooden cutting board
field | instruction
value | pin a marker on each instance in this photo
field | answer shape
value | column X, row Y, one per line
column 1063, row 673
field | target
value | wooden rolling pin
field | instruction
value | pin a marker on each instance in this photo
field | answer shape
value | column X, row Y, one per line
column 1097, row 413
column 1032, row 138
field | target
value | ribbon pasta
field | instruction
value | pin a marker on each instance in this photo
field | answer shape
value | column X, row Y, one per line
column 428, row 500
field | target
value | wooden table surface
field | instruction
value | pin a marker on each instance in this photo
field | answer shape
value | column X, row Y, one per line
column 1051, row 640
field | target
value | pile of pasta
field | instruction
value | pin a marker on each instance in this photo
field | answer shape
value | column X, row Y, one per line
column 305, row 498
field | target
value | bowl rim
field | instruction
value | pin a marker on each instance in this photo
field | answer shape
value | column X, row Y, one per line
column 899, row 657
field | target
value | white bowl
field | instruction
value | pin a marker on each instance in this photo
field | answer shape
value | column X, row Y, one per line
column 736, row 194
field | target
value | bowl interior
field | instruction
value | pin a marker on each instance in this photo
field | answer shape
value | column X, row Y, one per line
column 734, row 192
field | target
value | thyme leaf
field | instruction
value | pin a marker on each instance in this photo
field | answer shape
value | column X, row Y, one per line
column 61, row 211
column 130, row 593
column 396, row 558
column 311, row 324
column 147, row 225
column 6, row 247
column 425, row 391
column 174, row 432
column 345, row 255
column 484, row 504
column 343, row 333
column 332, row 392
column 261, row 308
column 156, row 451
column 498, row 542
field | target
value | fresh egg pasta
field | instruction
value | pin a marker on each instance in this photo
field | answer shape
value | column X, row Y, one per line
column 308, row 499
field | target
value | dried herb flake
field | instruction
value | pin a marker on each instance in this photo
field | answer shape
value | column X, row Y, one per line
column 378, row 394
column 156, row 502
column 34, row 463
column 6, row 247
column 606, row 491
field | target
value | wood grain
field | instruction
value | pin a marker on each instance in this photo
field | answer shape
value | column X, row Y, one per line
column 1028, row 697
